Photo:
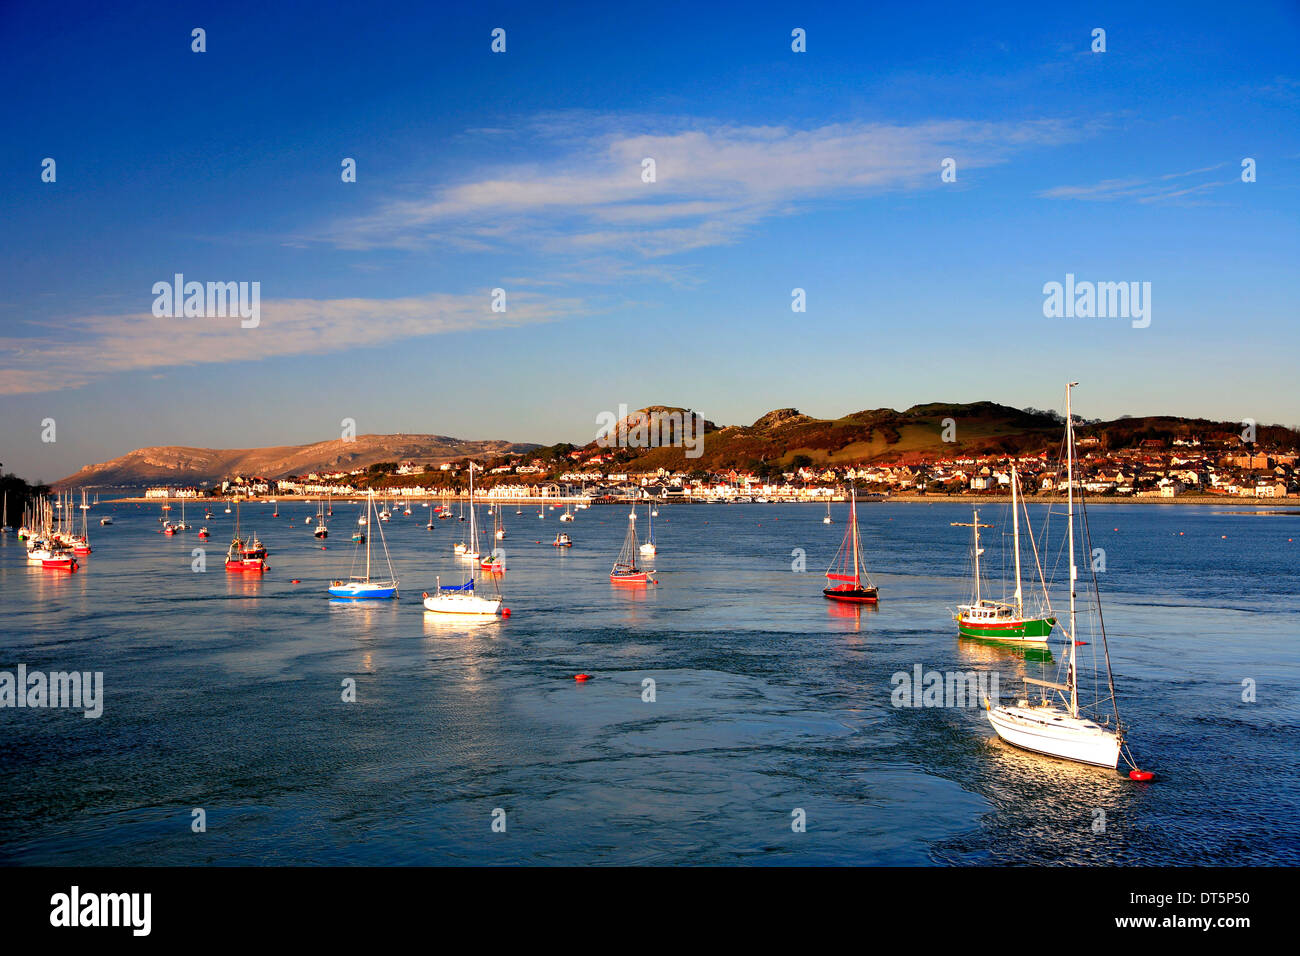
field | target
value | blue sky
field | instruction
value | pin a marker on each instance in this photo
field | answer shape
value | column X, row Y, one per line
column 522, row 171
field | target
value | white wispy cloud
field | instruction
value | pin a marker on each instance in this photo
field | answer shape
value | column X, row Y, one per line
column 1151, row 189
column 91, row 346
column 713, row 182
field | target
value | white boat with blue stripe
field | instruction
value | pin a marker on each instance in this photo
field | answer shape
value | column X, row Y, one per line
column 360, row 587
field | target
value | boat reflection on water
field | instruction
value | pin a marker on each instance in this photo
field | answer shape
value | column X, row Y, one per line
column 461, row 625
column 849, row 616
column 244, row 585
column 980, row 651
column 635, row 601
column 1056, row 787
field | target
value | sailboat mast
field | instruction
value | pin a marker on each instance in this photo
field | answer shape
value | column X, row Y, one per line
column 975, row 524
column 1015, row 536
column 853, row 515
column 370, row 512
column 473, row 518
column 1074, row 571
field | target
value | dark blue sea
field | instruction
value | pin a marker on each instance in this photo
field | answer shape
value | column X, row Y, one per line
column 223, row 692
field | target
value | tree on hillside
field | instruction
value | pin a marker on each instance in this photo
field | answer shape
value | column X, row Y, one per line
column 19, row 494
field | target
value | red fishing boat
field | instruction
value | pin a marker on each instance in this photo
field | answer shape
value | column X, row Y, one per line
column 245, row 556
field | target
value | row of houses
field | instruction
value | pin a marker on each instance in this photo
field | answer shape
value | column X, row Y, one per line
column 1168, row 472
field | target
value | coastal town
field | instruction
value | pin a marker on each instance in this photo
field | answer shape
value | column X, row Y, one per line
column 1183, row 468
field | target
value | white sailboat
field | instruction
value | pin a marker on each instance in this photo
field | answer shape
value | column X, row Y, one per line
column 461, row 548
column 1059, row 726
column 828, row 519
column 462, row 598
column 648, row 547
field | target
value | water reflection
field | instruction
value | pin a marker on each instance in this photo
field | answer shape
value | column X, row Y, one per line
column 991, row 652
column 849, row 616
column 243, row 585
column 460, row 625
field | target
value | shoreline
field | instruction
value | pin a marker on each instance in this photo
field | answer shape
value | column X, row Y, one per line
column 1269, row 504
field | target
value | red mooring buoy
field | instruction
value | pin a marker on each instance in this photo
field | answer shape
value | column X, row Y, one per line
column 1142, row 775
column 505, row 612
column 295, row 581
column 581, row 677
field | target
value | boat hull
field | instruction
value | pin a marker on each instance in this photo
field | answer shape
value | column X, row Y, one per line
column 1052, row 732
column 852, row 595
column 251, row 566
column 639, row 577
column 462, row 603
column 359, row 591
column 1019, row 631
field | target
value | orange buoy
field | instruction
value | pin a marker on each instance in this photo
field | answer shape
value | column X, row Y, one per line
column 295, row 581
column 582, row 677
column 1142, row 775
column 505, row 612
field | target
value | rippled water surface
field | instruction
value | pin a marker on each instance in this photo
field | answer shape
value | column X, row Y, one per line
column 223, row 692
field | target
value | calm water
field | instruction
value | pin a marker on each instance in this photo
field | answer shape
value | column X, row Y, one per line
column 223, row 692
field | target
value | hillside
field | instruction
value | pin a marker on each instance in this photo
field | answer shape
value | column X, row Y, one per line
column 883, row 434
column 171, row 464
column 779, row 439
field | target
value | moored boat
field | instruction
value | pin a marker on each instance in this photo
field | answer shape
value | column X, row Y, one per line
column 362, row 587
column 648, row 548
column 848, row 580
column 625, row 570
column 461, row 599
column 1004, row 621
column 1057, row 724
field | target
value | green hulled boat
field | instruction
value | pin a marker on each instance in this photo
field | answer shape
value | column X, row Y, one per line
column 1004, row 621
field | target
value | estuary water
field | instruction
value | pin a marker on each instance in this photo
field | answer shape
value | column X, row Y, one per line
column 771, row 706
